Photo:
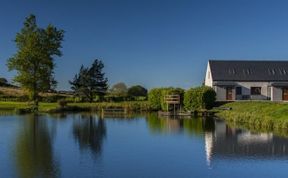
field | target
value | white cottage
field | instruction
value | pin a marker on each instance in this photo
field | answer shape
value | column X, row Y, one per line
column 248, row 80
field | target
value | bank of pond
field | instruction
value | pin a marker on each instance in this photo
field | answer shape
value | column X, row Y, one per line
column 254, row 115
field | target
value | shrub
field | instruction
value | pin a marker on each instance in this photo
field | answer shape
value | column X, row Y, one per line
column 171, row 91
column 199, row 98
column 208, row 97
column 154, row 98
column 190, row 99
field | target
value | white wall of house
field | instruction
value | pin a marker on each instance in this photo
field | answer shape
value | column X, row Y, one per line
column 246, row 89
column 276, row 94
column 221, row 93
column 208, row 77
column 267, row 91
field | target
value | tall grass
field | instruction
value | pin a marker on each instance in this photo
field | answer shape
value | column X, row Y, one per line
column 47, row 107
column 260, row 116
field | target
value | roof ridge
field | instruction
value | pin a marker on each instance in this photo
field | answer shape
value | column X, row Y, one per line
column 247, row 60
column 255, row 70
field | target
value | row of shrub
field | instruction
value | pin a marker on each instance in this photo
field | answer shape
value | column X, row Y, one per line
column 193, row 99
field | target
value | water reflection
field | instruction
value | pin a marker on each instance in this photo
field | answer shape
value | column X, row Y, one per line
column 33, row 149
column 233, row 142
column 198, row 140
column 191, row 126
column 89, row 131
column 222, row 141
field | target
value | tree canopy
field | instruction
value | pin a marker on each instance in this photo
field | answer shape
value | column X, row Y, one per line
column 90, row 81
column 119, row 89
column 34, row 59
column 137, row 90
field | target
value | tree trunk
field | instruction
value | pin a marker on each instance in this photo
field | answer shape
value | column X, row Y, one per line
column 35, row 98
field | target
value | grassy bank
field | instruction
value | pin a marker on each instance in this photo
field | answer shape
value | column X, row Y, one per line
column 259, row 116
column 50, row 107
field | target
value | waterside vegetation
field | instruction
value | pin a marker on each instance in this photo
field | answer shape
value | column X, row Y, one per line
column 257, row 116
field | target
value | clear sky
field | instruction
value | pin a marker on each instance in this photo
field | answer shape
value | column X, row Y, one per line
column 152, row 43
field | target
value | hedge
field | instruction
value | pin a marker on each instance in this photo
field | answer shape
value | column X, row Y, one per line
column 156, row 97
column 199, row 98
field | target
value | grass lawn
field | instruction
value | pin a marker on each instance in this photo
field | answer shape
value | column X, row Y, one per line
column 5, row 105
column 259, row 115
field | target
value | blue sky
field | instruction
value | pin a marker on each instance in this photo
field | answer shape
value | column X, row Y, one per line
column 152, row 43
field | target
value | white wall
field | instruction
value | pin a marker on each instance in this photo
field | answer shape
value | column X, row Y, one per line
column 276, row 93
column 266, row 91
column 246, row 89
column 221, row 93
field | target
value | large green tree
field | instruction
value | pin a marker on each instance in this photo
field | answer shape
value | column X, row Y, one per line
column 90, row 81
column 34, row 59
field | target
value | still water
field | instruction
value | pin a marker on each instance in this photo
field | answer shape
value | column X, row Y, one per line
column 83, row 145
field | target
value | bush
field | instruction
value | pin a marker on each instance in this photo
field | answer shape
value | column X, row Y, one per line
column 171, row 91
column 191, row 99
column 156, row 97
column 199, row 98
column 208, row 97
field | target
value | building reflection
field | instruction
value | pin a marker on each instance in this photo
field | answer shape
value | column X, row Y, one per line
column 222, row 141
column 226, row 142
column 89, row 132
column 34, row 149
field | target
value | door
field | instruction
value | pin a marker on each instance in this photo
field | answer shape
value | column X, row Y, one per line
column 229, row 93
column 285, row 94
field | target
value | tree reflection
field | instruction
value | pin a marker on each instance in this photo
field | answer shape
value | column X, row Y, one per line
column 155, row 124
column 196, row 126
column 89, row 132
column 34, row 150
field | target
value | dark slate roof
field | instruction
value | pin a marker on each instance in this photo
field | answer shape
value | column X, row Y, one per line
column 249, row 70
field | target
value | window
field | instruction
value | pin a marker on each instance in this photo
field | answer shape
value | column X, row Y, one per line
column 238, row 91
column 255, row 90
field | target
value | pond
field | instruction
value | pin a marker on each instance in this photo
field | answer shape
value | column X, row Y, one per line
column 84, row 145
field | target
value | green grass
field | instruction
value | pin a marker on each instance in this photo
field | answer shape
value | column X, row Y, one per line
column 12, row 105
column 259, row 116
column 5, row 105
column 45, row 107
